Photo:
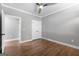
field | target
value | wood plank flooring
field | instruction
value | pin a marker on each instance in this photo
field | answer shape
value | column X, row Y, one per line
column 39, row 47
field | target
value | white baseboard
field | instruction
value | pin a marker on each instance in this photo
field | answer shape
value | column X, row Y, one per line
column 19, row 40
column 27, row 40
column 66, row 44
column 7, row 40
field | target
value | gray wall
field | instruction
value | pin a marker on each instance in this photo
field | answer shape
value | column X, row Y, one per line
column 62, row 26
column 26, row 30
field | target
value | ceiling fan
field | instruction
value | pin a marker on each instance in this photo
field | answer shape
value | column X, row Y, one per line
column 42, row 5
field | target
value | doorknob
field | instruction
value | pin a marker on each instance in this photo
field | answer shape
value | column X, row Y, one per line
column 3, row 34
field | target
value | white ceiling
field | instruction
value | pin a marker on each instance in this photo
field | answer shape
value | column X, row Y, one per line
column 33, row 8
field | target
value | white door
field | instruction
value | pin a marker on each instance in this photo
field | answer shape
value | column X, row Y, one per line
column 36, row 29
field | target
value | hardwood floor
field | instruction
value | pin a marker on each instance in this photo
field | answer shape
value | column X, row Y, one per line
column 40, row 47
column 12, row 48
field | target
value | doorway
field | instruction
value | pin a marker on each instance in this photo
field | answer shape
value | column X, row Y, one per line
column 12, row 29
column 36, row 29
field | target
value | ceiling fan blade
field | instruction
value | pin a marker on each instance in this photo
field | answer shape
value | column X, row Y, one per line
column 49, row 4
column 45, row 5
column 37, row 4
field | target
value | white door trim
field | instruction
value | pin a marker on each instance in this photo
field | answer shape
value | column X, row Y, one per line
column 2, row 31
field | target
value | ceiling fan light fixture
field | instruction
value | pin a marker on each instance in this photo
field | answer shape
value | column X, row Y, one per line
column 41, row 6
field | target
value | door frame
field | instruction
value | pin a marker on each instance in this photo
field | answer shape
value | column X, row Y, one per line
column 36, row 33
column 2, row 31
column 19, row 25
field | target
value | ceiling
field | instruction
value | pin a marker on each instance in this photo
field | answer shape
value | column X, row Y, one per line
column 33, row 8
